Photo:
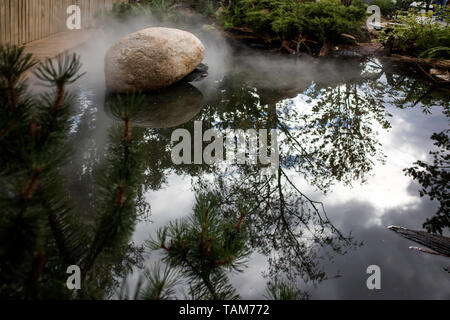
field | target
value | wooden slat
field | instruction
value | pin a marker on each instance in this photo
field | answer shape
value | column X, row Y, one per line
column 13, row 18
column 8, row 22
column 39, row 20
column 2, row 21
column 23, row 21
column 33, row 21
column 30, row 18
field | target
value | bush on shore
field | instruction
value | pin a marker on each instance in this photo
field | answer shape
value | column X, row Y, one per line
column 315, row 23
column 390, row 8
column 322, row 21
column 419, row 36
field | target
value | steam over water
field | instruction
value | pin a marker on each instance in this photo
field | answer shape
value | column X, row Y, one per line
column 355, row 126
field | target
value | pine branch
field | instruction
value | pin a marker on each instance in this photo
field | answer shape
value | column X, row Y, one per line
column 34, row 137
column 203, row 246
column 13, row 65
column 117, row 205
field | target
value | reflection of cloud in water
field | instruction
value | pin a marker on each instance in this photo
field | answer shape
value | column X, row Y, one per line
column 405, row 274
column 388, row 197
column 388, row 187
column 165, row 108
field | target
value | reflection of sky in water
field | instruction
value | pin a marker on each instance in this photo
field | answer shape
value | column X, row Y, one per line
column 387, row 197
column 85, row 104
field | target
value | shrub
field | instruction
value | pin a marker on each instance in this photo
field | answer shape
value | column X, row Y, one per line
column 122, row 11
column 387, row 7
column 321, row 21
column 418, row 35
column 403, row 5
column 177, row 11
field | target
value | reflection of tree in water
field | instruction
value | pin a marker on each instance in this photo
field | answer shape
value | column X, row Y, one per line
column 408, row 92
column 434, row 179
column 338, row 137
column 334, row 140
column 408, row 89
column 284, row 223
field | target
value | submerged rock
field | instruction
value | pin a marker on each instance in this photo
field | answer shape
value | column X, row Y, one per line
column 151, row 59
column 347, row 53
column 198, row 74
column 164, row 108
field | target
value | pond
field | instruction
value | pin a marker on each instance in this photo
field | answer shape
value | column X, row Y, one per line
column 347, row 129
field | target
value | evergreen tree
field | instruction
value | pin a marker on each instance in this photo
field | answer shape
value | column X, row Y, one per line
column 204, row 246
column 38, row 229
column 284, row 290
column 119, row 199
column 41, row 231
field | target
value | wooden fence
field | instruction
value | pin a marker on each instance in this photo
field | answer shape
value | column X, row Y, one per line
column 23, row 21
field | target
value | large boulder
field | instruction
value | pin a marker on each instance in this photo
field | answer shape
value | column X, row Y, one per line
column 151, row 59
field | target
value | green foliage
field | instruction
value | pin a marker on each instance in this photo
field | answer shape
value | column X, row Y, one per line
column 157, row 283
column 119, row 193
column 161, row 283
column 403, row 5
column 282, row 290
column 321, row 21
column 14, row 63
column 390, row 8
column 41, row 230
column 63, row 71
column 38, row 228
column 123, row 11
column 418, row 35
column 387, row 7
column 179, row 11
column 435, row 52
column 204, row 246
column 161, row 9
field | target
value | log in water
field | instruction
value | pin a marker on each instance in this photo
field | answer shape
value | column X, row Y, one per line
column 439, row 244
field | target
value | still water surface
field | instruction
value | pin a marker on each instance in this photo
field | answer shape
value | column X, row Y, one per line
column 347, row 129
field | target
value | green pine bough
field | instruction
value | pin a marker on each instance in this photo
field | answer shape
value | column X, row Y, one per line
column 42, row 232
column 204, row 246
